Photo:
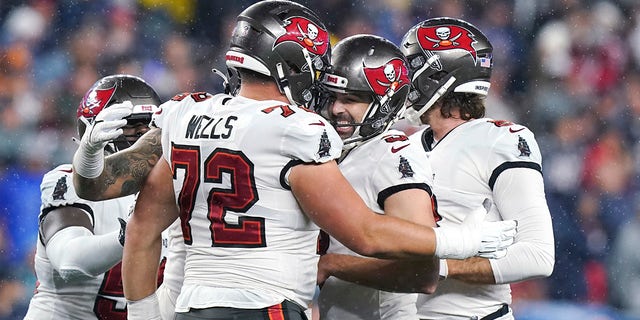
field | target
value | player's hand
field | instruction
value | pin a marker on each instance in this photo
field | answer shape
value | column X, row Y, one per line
column 496, row 237
column 475, row 236
column 88, row 161
column 106, row 126
column 323, row 273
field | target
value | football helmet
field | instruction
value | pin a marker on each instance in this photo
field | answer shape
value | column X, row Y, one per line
column 285, row 41
column 117, row 89
column 445, row 55
column 373, row 66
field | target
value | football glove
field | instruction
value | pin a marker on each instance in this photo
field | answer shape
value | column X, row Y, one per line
column 88, row 160
column 475, row 236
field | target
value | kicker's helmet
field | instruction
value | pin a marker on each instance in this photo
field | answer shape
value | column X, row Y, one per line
column 285, row 41
column 373, row 66
column 445, row 55
column 115, row 89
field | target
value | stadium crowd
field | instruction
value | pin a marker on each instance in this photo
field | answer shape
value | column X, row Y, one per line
column 568, row 69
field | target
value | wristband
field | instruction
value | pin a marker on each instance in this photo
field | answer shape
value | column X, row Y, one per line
column 444, row 269
column 147, row 308
column 88, row 163
column 453, row 243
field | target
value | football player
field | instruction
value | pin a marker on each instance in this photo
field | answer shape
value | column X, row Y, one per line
column 121, row 174
column 368, row 84
column 474, row 158
column 80, row 242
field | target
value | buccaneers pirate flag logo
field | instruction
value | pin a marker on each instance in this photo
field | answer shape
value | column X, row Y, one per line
column 387, row 78
column 305, row 33
column 94, row 101
column 447, row 37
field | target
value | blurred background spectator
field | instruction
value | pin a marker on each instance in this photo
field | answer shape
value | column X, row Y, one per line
column 568, row 69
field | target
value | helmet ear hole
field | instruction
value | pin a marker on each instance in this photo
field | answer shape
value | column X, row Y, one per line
column 294, row 69
column 438, row 75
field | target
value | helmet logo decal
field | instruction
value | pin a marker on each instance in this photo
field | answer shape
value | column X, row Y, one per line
column 94, row 101
column 441, row 38
column 305, row 33
column 387, row 78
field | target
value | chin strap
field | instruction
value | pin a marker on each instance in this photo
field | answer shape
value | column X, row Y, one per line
column 413, row 116
column 283, row 83
column 230, row 84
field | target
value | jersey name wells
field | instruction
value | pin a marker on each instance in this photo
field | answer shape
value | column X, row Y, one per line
column 206, row 127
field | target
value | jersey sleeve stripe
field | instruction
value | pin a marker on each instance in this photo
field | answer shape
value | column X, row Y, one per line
column 285, row 169
column 509, row 165
column 386, row 193
column 47, row 210
column 82, row 206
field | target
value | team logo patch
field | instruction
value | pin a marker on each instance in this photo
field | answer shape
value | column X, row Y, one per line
column 387, row 78
column 60, row 189
column 405, row 168
column 447, row 37
column 325, row 145
column 305, row 33
column 523, row 147
column 94, row 101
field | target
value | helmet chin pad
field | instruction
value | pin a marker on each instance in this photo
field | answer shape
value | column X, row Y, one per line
column 418, row 109
column 413, row 116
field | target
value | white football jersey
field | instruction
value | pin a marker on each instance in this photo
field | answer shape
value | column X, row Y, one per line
column 376, row 169
column 466, row 164
column 173, row 247
column 249, row 245
column 100, row 297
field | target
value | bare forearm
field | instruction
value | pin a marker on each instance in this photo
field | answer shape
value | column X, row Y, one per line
column 389, row 275
column 155, row 210
column 473, row 270
column 139, row 264
column 393, row 238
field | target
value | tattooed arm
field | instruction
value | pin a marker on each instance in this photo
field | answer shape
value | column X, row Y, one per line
column 124, row 171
